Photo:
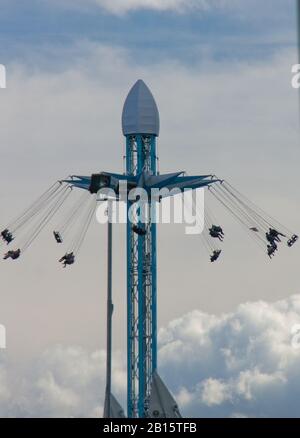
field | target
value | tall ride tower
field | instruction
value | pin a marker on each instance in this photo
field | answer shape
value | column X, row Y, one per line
column 147, row 394
column 140, row 124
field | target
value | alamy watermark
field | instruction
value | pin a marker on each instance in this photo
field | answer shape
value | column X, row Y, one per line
column 295, row 333
column 296, row 76
column 2, row 337
column 2, row 76
column 178, row 207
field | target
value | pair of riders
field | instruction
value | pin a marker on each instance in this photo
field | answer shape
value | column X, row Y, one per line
column 69, row 257
column 217, row 233
column 8, row 238
column 273, row 238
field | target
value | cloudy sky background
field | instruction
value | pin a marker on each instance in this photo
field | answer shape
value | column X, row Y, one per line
column 221, row 75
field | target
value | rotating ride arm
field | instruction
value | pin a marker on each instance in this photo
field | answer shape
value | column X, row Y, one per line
column 144, row 180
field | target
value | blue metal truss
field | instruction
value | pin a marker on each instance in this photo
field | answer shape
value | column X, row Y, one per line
column 141, row 285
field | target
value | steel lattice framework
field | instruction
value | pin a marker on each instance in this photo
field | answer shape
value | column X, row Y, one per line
column 141, row 284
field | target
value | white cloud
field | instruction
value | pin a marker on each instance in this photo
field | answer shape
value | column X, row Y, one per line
column 64, row 382
column 270, row 10
column 123, row 6
column 235, row 365
column 214, row 392
column 241, row 363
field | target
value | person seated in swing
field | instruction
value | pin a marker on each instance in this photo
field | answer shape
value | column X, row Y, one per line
column 57, row 237
column 215, row 255
column 67, row 259
column 12, row 254
column 7, row 236
column 138, row 229
column 292, row 240
column 275, row 234
column 216, row 232
column 272, row 238
column 272, row 249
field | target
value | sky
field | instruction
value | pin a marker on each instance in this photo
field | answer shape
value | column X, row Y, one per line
column 221, row 75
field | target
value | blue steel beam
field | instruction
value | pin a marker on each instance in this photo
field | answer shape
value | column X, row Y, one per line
column 146, row 181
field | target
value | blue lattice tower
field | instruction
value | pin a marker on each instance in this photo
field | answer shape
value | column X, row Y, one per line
column 140, row 122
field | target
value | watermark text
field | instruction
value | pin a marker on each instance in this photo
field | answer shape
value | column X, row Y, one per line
column 2, row 337
column 2, row 76
column 295, row 332
column 296, row 76
column 162, row 206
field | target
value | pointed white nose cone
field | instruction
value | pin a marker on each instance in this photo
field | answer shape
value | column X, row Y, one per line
column 140, row 114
